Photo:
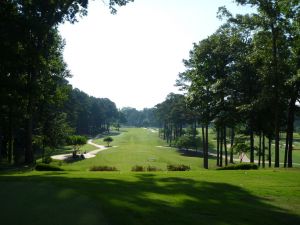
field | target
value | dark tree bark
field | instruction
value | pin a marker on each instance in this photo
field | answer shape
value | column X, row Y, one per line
column 270, row 152
column 206, row 148
column 221, row 147
column 231, row 144
column 259, row 150
column 251, row 146
column 225, row 147
column 218, row 146
column 263, row 150
column 290, row 125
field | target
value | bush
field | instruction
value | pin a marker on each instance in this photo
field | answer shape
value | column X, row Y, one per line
column 153, row 168
column 178, row 167
column 138, row 168
column 47, row 167
column 47, row 159
column 242, row 166
column 103, row 168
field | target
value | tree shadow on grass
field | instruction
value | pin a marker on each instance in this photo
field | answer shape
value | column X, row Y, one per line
column 147, row 199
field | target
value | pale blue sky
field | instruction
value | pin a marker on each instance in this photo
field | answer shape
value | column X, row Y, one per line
column 134, row 57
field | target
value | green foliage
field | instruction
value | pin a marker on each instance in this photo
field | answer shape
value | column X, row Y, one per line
column 103, row 168
column 76, row 141
column 47, row 167
column 242, row 166
column 138, row 168
column 152, row 168
column 108, row 140
column 172, row 167
column 187, row 142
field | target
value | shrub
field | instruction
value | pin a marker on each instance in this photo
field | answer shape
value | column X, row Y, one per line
column 242, row 166
column 47, row 167
column 103, row 168
column 138, row 168
column 178, row 167
column 153, row 168
column 47, row 159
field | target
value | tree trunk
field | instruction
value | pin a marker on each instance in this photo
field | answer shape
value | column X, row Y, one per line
column 205, row 155
column 221, row 147
column 263, row 150
column 286, row 148
column 10, row 137
column 270, row 153
column 28, row 149
column 218, row 146
column 291, row 118
column 251, row 146
column 231, row 145
column 259, row 150
column 225, row 147
column 203, row 138
column 276, row 87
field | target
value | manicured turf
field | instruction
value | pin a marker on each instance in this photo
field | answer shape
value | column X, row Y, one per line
column 79, row 197
column 166, row 198
column 137, row 146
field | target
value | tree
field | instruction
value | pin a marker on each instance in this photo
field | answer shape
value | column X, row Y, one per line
column 76, row 141
column 108, row 140
column 275, row 25
column 31, row 65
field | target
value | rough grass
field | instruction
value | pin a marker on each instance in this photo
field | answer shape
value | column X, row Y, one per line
column 163, row 198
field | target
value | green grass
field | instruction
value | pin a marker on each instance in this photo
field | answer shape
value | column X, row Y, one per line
column 78, row 196
column 162, row 198
column 137, row 146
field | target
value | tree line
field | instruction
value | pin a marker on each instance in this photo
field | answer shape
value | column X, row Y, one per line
column 139, row 118
column 38, row 106
column 244, row 81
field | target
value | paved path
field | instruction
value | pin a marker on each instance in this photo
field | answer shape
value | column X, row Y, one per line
column 88, row 155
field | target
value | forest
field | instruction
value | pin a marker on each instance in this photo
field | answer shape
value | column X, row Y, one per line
column 39, row 108
column 242, row 81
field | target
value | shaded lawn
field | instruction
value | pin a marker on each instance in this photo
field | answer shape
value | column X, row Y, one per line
column 207, row 197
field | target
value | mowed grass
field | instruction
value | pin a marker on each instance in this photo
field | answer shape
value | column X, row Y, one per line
column 162, row 198
column 79, row 197
column 138, row 146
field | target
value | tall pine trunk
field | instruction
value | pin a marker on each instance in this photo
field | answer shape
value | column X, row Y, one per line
column 259, row 150
column 231, row 145
column 205, row 153
column 225, row 147
column 218, row 146
column 251, row 146
column 221, row 147
column 276, row 87
column 291, row 118
column 263, row 150
column 270, row 152
column 10, row 137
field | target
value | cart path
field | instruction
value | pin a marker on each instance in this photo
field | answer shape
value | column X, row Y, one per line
column 87, row 155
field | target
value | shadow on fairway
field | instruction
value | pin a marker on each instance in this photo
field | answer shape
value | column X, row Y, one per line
column 146, row 199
